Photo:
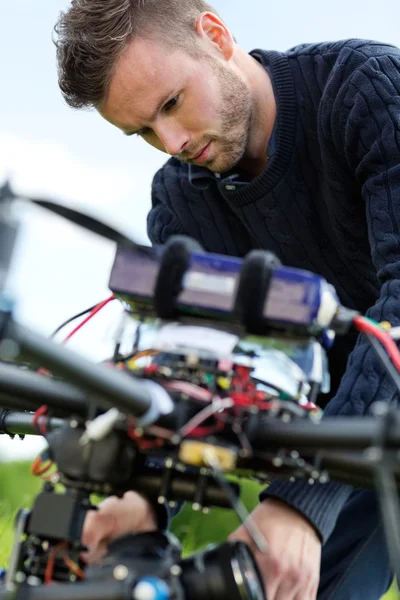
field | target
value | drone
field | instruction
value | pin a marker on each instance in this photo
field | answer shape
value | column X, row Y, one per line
column 222, row 383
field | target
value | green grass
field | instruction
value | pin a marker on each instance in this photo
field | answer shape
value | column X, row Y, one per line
column 18, row 489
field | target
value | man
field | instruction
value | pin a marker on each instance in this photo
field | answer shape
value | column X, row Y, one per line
column 297, row 153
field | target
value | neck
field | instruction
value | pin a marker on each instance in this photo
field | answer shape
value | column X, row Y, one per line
column 264, row 112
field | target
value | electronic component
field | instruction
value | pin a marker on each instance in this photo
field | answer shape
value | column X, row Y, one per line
column 295, row 300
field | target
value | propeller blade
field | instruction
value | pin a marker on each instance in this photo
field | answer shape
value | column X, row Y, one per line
column 86, row 221
column 77, row 217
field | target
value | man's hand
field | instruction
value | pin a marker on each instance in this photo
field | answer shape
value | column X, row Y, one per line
column 290, row 567
column 115, row 517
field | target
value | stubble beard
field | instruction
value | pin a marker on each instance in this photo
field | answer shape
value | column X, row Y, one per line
column 236, row 117
column 235, row 121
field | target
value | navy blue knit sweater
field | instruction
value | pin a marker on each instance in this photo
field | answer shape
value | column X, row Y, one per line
column 328, row 201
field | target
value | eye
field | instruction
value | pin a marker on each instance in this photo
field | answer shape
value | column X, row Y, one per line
column 171, row 103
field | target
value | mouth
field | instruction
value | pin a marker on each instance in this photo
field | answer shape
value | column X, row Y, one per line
column 203, row 154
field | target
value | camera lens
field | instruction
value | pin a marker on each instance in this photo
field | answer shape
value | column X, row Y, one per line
column 246, row 574
column 225, row 572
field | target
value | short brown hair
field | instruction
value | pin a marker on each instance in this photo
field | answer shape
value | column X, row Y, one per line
column 92, row 34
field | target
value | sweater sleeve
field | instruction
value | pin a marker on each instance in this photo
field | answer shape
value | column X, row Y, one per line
column 365, row 135
column 162, row 220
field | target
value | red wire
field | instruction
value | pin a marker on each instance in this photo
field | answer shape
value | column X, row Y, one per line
column 383, row 336
column 41, row 411
column 90, row 315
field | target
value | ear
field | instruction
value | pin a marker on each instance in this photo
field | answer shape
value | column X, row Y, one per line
column 212, row 30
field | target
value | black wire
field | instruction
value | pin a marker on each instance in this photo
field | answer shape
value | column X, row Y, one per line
column 385, row 360
column 68, row 321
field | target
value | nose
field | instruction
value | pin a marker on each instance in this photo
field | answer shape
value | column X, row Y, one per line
column 173, row 137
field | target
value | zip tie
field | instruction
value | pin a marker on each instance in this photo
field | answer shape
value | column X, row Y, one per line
column 100, row 427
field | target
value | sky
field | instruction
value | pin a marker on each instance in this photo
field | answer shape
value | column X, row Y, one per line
column 75, row 157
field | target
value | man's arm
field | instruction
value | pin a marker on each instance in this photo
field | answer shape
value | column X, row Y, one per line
column 366, row 134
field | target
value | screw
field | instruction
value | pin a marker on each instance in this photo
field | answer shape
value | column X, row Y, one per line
column 373, row 454
column 33, row 580
column 9, row 349
column 379, row 409
column 120, row 572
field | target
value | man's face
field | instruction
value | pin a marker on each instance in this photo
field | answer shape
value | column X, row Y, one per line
column 196, row 109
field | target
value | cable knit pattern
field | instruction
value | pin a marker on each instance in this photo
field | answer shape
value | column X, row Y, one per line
column 328, row 201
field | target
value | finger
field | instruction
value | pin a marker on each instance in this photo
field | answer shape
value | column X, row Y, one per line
column 311, row 583
column 134, row 514
column 284, row 581
column 311, row 593
column 98, row 526
column 95, row 555
column 289, row 590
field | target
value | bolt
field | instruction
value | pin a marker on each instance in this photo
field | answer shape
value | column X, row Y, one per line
column 120, row 572
column 379, row 409
column 9, row 349
column 373, row 454
column 175, row 570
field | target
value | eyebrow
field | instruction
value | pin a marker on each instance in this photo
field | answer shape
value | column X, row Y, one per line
column 154, row 114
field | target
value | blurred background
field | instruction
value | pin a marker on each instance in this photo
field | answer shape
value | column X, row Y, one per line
column 74, row 156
